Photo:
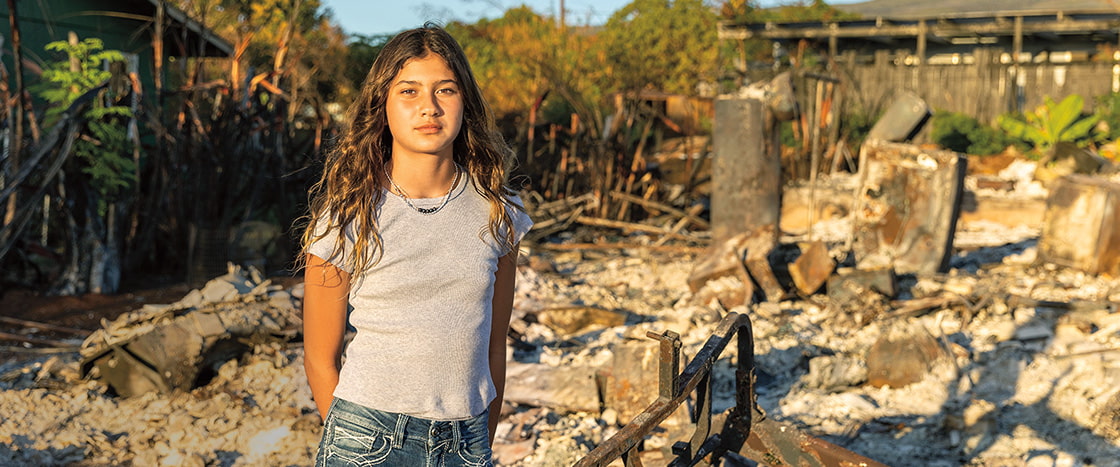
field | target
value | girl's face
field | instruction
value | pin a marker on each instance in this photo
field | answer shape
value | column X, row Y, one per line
column 424, row 108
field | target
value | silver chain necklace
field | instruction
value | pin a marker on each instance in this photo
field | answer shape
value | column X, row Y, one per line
column 407, row 199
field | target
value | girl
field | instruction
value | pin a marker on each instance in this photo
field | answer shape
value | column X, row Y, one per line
column 414, row 232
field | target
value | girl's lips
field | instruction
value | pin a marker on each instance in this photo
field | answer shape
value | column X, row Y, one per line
column 428, row 128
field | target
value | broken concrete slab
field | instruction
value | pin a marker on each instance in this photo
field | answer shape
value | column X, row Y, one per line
column 564, row 388
column 631, row 383
column 729, row 291
column 180, row 346
column 907, row 207
column 724, row 259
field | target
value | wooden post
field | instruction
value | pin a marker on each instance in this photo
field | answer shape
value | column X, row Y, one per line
column 16, row 143
column 1018, row 80
column 833, row 41
column 157, row 51
column 920, row 84
column 746, row 176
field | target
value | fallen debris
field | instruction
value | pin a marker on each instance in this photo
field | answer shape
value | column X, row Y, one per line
column 1021, row 359
column 180, row 346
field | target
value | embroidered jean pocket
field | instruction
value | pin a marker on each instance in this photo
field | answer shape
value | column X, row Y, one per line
column 354, row 444
column 474, row 450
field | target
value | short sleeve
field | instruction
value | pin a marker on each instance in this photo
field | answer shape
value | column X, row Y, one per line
column 325, row 246
column 522, row 223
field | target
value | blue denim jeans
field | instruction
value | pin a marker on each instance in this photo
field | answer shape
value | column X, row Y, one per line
column 354, row 435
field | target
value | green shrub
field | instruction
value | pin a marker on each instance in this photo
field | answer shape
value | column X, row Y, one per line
column 962, row 133
column 1108, row 108
column 1052, row 123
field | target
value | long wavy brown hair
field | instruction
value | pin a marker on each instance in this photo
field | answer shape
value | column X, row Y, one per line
column 350, row 188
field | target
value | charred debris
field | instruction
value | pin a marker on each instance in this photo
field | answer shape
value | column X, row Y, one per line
column 917, row 312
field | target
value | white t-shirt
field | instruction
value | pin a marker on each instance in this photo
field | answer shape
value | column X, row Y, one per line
column 423, row 312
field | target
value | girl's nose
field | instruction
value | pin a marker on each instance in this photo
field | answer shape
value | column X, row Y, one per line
column 430, row 108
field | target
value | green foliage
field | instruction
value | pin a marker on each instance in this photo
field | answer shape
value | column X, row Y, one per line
column 61, row 85
column 522, row 56
column 748, row 11
column 1052, row 123
column 360, row 53
column 857, row 125
column 962, row 133
column 1108, row 108
column 104, row 147
column 664, row 45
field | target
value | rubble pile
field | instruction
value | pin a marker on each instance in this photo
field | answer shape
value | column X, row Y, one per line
column 1004, row 360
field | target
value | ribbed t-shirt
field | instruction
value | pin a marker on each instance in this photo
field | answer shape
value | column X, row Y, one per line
column 423, row 312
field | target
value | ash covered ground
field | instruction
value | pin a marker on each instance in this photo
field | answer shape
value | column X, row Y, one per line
column 1021, row 366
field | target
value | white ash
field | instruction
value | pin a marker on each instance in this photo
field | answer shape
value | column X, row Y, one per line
column 1025, row 385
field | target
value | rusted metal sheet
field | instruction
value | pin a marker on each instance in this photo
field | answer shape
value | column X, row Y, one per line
column 773, row 443
column 1081, row 226
column 907, row 207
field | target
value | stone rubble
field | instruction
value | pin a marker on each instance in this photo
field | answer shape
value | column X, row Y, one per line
column 1019, row 365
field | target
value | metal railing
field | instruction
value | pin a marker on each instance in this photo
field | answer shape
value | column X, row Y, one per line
column 742, row 431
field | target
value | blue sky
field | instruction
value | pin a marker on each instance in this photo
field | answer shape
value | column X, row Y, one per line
column 390, row 16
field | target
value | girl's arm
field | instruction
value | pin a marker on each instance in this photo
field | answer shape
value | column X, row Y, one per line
column 325, row 298
column 503, row 307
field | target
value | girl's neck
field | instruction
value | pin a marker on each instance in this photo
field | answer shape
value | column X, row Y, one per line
column 422, row 177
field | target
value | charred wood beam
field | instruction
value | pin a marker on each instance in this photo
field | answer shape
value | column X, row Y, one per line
column 620, row 246
column 49, row 327
column 70, row 119
column 70, row 126
column 631, row 226
column 36, row 340
column 1048, row 36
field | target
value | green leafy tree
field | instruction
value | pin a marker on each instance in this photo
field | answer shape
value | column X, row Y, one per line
column 522, row 56
column 1052, row 123
column 105, row 147
column 361, row 50
column 665, row 45
column 296, row 41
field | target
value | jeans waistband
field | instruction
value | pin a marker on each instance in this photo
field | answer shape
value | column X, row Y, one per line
column 401, row 426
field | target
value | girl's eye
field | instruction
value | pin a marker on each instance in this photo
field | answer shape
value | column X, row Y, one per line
column 408, row 91
column 449, row 91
